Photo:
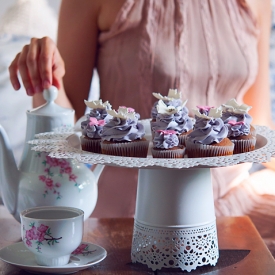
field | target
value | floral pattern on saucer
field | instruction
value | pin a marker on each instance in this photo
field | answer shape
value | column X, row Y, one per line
column 83, row 249
column 18, row 255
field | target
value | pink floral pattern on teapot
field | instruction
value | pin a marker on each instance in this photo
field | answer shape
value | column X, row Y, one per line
column 65, row 169
column 38, row 235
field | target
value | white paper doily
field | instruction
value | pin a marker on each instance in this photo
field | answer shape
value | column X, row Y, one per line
column 57, row 144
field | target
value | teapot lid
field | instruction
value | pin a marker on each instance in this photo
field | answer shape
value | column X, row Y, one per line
column 50, row 108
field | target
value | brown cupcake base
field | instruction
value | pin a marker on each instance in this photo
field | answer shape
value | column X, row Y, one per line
column 182, row 137
column 176, row 152
column 197, row 150
column 136, row 148
column 244, row 144
column 90, row 145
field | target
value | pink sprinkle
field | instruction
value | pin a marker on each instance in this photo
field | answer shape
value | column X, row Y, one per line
column 205, row 108
column 167, row 132
column 233, row 122
column 94, row 121
column 101, row 122
column 129, row 109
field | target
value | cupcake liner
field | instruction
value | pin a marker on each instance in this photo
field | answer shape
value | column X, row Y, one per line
column 137, row 148
column 91, row 145
column 244, row 145
column 182, row 138
column 169, row 154
column 197, row 150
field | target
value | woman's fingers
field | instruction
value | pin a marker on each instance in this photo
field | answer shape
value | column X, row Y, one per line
column 58, row 70
column 24, row 72
column 46, row 62
column 13, row 68
column 32, row 66
column 39, row 64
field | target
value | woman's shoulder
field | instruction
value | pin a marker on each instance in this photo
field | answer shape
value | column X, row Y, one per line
column 108, row 12
column 259, row 8
column 100, row 12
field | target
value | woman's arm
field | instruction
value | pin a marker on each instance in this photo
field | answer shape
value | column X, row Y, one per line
column 77, row 43
column 258, row 96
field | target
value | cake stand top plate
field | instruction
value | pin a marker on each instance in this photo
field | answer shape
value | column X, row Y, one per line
column 61, row 144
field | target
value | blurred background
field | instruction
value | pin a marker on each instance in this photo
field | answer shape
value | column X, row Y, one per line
column 4, row 4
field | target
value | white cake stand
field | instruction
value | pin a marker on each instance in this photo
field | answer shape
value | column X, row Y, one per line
column 175, row 224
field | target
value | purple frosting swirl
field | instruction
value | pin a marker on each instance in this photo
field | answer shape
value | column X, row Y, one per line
column 207, row 131
column 237, row 129
column 246, row 118
column 175, row 102
column 165, row 141
column 98, row 113
column 179, row 123
column 118, row 129
column 91, row 131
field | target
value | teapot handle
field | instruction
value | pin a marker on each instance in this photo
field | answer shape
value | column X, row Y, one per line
column 98, row 170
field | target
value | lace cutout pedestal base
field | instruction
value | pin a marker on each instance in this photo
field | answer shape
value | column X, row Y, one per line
column 185, row 248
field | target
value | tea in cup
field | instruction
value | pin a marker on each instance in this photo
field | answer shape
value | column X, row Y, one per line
column 52, row 233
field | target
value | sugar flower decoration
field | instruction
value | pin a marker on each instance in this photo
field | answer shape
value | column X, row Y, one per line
column 123, row 112
column 94, row 121
column 98, row 104
column 232, row 106
column 172, row 94
column 213, row 113
column 168, row 110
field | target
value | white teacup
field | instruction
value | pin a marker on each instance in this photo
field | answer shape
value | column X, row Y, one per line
column 52, row 233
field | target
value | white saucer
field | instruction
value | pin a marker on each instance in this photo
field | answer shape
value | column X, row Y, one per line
column 18, row 255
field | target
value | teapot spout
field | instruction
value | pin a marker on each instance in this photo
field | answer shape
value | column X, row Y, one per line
column 9, row 174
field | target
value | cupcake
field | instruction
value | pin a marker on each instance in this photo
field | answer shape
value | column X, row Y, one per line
column 123, row 135
column 166, row 145
column 172, row 118
column 92, row 126
column 209, row 136
column 98, row 109
column 172, row 99
column 240, row 130
column 91, row 135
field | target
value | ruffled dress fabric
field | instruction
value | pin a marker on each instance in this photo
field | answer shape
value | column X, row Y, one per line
column 208, row 51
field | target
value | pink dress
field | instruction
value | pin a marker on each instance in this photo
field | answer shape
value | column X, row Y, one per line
column 205, row 49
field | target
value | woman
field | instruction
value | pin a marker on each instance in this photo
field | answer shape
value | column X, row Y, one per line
column 211, row 51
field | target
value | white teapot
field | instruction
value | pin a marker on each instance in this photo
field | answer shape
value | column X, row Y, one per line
column 41, row 180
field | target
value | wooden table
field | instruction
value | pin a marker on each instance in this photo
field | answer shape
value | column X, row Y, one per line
column 242, row 251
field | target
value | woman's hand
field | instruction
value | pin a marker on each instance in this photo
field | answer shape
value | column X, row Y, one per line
column 40, row 66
